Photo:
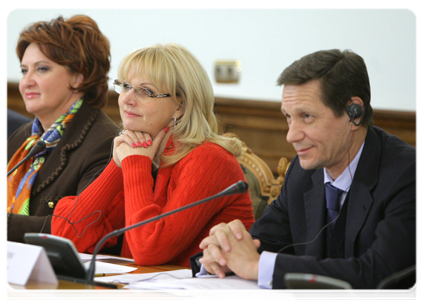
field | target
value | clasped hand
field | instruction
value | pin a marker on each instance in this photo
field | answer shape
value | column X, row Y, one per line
column 136, row 143
column 230, row 247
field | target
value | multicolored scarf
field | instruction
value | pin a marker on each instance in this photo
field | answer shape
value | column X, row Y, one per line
column 20, row 182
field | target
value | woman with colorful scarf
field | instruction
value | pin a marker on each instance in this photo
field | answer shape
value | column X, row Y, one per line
column 64, row 84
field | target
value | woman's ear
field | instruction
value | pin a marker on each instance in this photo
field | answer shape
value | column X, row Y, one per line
column 77, row 79
column 179, row 111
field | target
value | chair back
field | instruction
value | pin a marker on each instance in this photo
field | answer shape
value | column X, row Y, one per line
column 263, row 186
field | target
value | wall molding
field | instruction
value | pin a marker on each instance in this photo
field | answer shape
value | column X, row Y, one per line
column 260, row 124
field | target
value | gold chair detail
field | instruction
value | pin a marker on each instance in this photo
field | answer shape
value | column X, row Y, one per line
column 263, row 186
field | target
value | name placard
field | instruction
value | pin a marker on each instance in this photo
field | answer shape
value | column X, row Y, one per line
column 28, row 262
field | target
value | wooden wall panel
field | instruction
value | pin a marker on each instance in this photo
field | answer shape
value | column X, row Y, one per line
column 260, row 124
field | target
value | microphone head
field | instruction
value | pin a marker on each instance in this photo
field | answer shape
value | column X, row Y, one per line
column 241, row 186
column 41, row 145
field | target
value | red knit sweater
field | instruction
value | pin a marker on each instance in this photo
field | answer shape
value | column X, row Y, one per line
column 122, row 197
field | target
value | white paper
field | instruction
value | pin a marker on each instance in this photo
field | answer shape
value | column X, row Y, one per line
column 87, row 257
column 129, row 278
column 26, row 262
column 102, row 268
column 214, row 283
column 244, row 297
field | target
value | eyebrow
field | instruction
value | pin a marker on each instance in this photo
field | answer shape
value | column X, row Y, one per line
column 36, row 63
column 141, row 84
column 147, row 83
column 300, row 108
column 283, row 110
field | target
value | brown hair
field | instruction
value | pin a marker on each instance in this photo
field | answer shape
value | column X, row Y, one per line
column 342, row 75
column 78, row 45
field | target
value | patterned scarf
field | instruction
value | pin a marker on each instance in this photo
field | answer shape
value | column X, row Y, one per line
column 20, row 182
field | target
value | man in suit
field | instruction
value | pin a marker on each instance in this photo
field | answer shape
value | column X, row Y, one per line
column 369, row 231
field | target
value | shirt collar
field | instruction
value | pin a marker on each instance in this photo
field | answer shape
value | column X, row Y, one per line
column 344, row 181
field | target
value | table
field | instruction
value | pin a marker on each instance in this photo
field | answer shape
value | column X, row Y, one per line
column 73, row 291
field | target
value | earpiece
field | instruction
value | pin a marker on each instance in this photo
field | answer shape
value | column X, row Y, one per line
column 354, row 111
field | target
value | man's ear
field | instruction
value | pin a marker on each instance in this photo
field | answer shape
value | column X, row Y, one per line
column 355, row 110
column 356, row 100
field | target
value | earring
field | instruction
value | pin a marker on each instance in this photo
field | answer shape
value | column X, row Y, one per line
column 174, row 122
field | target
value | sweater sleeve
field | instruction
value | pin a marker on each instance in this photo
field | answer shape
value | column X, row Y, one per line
column 98, row 210
column 204, row 172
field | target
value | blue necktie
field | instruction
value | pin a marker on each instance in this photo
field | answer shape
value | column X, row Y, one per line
column 332, row 202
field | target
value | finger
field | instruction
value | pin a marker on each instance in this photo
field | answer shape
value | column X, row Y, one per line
column 213, row 268
column 217, row 270
column 148, row 139
column 134, row 138
column 207, row 241
column 143, row 139
column 221, row 226
column 138, row 138
column 159, row 136
column 210, row 264
column 207, row 258
column 117, row 141
column 257, row 243
column 158, row 139
column 220, row 232
column 216, row 253
column 237, row 228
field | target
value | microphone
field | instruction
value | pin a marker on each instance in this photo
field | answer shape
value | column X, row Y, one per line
column 237, row 188
column 39, row 146
column 394, row 278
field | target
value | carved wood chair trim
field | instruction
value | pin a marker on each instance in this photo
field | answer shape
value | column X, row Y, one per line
column 269, row 186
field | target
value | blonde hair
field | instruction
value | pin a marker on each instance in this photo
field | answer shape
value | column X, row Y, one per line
column 173, row 69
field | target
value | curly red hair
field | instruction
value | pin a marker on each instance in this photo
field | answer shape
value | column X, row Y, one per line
column 77, row 44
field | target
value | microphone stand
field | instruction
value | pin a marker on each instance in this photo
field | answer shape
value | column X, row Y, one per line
column 239, row 187
column 394, row 278
column 39, row 146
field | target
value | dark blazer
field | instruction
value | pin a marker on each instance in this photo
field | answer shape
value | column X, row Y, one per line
column 82, row 153
column 380, row 224
column 14, row 121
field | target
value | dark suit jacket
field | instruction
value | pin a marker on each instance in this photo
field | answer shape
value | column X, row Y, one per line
column 380, row 230
column 14, row 121
column 80, row 156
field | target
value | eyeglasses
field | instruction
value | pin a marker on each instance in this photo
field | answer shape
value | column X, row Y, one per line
column 142, row 94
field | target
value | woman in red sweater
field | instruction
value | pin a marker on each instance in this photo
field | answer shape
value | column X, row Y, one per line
column 168, row 155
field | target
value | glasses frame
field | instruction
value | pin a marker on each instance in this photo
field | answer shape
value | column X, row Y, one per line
column 119, row 88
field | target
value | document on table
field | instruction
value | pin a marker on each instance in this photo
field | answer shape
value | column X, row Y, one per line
column 103, row 268
column 87, row 257
column 133, row 278
column 196, row 283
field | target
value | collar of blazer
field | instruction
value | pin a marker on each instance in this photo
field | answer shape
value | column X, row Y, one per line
column 359, row 205
column 73, row 136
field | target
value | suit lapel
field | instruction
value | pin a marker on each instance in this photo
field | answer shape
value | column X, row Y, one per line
column 361, row 199
column 315, row 209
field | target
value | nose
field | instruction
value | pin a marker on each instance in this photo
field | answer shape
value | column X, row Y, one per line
column 128, row 98
column 28, row 80
column 295, row 132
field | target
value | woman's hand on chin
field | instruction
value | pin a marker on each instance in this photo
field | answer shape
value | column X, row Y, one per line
column 136, row 143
